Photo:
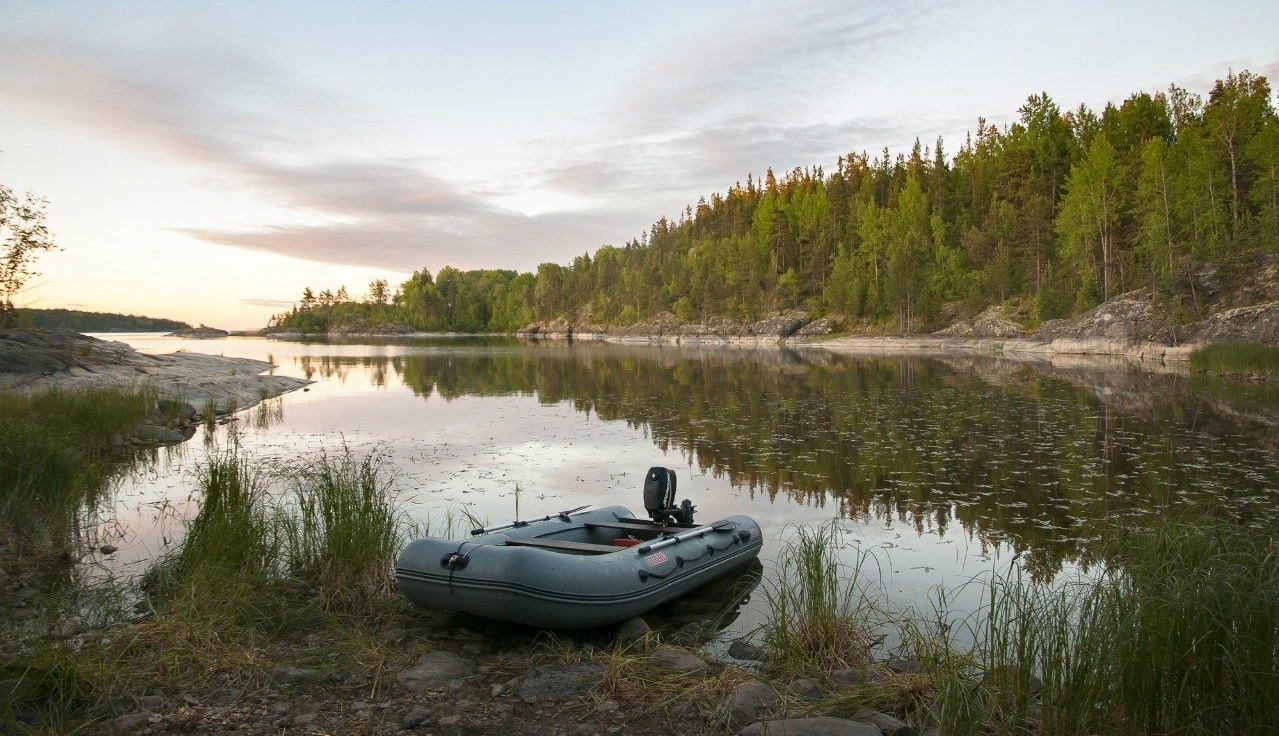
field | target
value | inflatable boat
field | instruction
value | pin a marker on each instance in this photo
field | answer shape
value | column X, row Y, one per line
column 580, row 568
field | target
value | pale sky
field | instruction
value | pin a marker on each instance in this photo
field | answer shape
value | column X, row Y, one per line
column 207, row 161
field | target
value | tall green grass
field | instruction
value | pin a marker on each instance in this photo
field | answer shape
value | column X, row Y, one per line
column 326, row 529
column 231, row 547
column 822, row 611
column 1236, row 358
column 1177, row 633
column 342, row 536
column 57, row 456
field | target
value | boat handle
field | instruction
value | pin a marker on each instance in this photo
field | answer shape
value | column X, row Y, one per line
column 525, row 522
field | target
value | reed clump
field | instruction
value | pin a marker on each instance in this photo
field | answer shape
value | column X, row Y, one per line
column 56, row 460
column 1236, row 359
column 823, row 611
column 1178, row 632
column 342, row 535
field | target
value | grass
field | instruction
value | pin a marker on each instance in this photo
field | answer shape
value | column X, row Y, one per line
column 56, row 461
column 822, row 611
column 1178, row 634
column 267, row 568
column 345, row 531
column 1236, row 359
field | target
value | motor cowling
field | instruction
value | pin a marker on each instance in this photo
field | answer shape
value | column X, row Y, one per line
column 659, row 498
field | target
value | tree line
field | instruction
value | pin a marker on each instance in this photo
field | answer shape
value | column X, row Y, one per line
column 72, row 319
column 1050, row 214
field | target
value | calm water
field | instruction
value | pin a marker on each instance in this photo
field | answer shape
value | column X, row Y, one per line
column 943, row 470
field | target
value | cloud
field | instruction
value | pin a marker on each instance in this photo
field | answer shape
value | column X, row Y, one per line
column 778, row 61
column 269, row 303
column 239, row 118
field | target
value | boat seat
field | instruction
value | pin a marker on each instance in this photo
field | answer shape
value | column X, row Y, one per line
column 625, row 526
column 648, row 524
column 564, row 545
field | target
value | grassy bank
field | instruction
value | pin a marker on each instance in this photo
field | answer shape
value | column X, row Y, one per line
column 1236, row 359
column 272, row 554
column 1179, row 634
column 60, row 449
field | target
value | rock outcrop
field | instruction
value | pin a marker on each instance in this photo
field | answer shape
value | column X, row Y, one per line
column 36, row 360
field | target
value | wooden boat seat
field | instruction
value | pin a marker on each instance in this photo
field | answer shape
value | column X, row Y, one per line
column 564, row 545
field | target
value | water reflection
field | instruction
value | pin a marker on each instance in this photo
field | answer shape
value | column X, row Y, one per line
column 1002, row 452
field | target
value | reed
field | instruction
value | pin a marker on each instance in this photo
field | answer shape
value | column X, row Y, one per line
column 1236, row 358
column 823, row 611
column 56, row 459
column 344, row 531
column 1179, row 634
column 231, row 546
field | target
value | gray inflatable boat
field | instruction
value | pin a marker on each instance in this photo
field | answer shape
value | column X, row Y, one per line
column 580, row 568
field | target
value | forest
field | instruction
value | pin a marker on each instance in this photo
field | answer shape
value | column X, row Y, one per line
column 71, row 319
column 1048, row 216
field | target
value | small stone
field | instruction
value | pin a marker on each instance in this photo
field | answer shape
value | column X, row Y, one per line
column 108, row 549
column 562, row 681
column 750, row 700
column 134, row 722
column 447, row 721
column 633, row 629
column 287, row 675
column 745, row 650
column 855, row 677
column 152, row 703
column 889, row 725
column 677, row 659
column 435, row 669
column 806, row 688
column 904, row 666
column 416, row 717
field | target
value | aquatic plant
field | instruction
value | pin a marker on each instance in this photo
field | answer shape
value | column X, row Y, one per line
column 822, row 611
column 55, row 461
column 231, row 545
column 1178, row 633
column 344, row 531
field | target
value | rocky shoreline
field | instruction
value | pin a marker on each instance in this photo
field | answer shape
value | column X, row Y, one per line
column 1125, row 327
column 39, row 360
column 456, row 680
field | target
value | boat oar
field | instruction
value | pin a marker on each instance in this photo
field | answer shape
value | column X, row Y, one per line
column 525, row 522
column 719, row 526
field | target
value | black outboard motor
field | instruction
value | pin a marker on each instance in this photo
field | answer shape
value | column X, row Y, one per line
column 659, row 498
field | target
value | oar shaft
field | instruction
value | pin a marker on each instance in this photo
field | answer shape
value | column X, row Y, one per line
column 525, row 522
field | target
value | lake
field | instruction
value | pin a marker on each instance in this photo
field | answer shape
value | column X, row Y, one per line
column 941, row 470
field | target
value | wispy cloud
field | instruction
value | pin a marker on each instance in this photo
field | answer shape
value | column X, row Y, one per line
column 373, row 211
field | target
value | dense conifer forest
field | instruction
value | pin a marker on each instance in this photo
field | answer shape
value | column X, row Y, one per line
column 1049, row 215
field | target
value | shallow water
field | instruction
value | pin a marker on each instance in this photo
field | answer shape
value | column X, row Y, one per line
column 942, row 470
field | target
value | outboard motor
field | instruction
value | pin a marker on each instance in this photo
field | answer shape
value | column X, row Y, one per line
column 659, row 498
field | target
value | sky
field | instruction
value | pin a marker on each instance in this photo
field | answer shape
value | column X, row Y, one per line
column 208, row 161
